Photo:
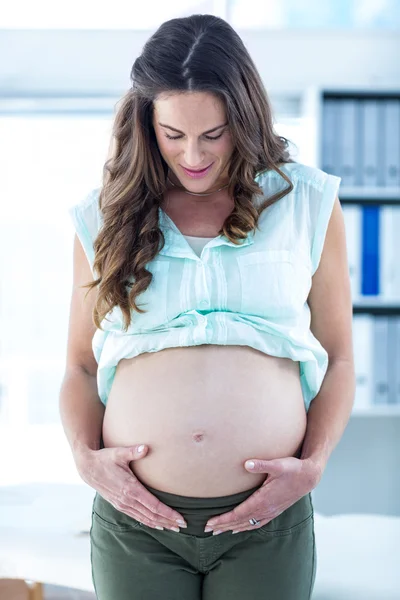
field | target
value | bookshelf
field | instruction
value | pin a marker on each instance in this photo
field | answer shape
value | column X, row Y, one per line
column 362, row 473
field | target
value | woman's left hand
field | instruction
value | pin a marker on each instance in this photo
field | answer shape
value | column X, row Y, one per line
column 288, row 480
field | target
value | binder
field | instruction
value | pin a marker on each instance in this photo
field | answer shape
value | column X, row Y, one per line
column 381, row 359
column 396, row 252
column 369, row 147
column 389, row 270
column 352, row 221
column 359, row 136
column 347, row 142
column 393, row 358
column 391, row 135
column 363, row 348
column 395, row 364
column 387, row 240
column 329, row 136
column 370, row 259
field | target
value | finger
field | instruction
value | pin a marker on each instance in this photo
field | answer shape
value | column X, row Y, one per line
column 273, row 467
column 248, row 527
column 243, row 526
column 125, row 455
column 255, row 504
column 150, row 506
column 239, row 514
column 132, row 501
column 136, row 511
column 139, row 517
column 245, row 522
column 226, row 519
column 129, row 503
column 161, row 510
column 154, row 524
column 234, row 527
column 141, row 514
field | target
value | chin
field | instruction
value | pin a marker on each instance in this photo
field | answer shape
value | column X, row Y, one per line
column 200, row 189
column 196, row 185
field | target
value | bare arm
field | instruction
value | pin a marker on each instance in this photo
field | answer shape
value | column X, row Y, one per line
column 331, row 322
column 81, row 409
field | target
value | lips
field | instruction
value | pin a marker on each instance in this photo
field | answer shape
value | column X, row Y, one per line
column 198, row 170
column 198, row 174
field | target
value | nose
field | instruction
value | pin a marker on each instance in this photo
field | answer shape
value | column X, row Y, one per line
column 193, row 156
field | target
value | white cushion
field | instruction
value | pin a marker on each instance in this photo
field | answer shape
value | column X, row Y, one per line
column 358, row 557
column 41, row 535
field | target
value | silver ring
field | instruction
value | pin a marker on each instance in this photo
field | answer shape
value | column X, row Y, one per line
column 254, row 522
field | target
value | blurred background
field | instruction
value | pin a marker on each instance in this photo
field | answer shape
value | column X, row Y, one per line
column 332, row 72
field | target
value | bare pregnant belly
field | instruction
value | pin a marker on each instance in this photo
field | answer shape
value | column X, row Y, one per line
column 203, row 411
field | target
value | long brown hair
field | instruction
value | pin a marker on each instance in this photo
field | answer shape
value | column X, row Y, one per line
column 200, row 53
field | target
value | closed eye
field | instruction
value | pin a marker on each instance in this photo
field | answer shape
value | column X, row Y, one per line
column 178, row 137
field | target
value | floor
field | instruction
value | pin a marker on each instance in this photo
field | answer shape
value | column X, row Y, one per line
column 56, row 592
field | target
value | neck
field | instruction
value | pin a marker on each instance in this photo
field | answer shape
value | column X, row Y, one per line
column 182, row 189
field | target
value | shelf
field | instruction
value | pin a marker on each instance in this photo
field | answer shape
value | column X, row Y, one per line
column 391, row 410
column 376, row 308
column 375, row 301
column 369, row 194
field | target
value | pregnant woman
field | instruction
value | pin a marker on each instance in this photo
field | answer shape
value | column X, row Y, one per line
column 210, row 326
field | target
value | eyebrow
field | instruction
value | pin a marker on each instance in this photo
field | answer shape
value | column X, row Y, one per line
column 179, row 131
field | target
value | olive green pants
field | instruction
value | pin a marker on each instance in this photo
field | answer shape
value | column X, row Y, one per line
column 132, row 561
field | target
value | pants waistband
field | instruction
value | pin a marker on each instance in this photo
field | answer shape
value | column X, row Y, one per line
column 190, row 502
column 197, row 511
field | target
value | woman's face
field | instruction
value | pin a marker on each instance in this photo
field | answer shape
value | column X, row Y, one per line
column 190, row 117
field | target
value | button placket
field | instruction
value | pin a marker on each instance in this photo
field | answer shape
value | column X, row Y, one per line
column 203, row 288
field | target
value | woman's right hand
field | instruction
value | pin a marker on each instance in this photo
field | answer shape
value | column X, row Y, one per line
column 107, row 471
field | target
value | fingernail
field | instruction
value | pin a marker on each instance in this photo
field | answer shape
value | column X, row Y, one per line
column 175, row 529
column 235, row 532
column 158, row 527
column 207, row 529
column 181, row 523
column 217, row 532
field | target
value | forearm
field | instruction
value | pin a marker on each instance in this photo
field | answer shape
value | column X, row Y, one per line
column 81, row 410
column 329, row 412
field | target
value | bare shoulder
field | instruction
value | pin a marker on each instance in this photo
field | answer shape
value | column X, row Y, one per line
column 330, row 299
column 81, row 328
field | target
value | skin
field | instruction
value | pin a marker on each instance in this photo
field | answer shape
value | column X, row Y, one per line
column 329, row 299
column 291, row 478
column 194, row 113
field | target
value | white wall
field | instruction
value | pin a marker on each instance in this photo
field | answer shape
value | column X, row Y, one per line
column 99, row 62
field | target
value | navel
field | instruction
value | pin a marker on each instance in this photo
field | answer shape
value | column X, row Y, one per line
column 198, row 436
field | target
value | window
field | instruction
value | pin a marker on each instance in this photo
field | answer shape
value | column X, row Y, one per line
column 120, row 14
column 51, row 157
column 314, row 14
